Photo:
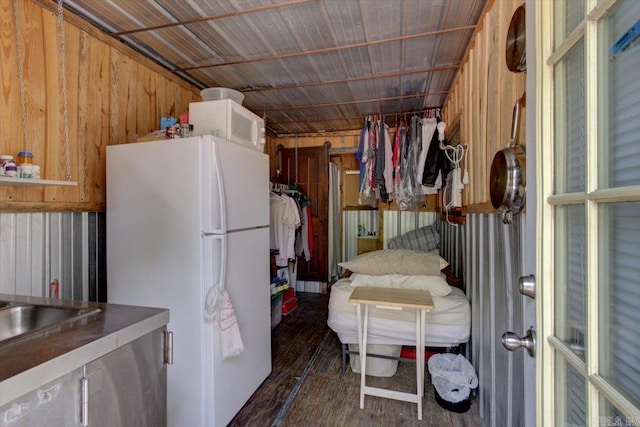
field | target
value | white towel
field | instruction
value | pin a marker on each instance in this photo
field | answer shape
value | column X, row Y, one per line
column 230, row 339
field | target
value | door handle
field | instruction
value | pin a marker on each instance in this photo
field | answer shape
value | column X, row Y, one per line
column 512, row 342
column 527, row 285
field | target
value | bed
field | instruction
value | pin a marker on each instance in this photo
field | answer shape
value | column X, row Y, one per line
column 448, row 326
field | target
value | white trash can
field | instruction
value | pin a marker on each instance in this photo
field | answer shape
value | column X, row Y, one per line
column 452, row 377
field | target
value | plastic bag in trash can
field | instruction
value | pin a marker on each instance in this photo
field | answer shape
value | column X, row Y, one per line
column 453, row 376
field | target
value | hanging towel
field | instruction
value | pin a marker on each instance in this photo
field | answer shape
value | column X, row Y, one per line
column 230, row 339
column 219, row 309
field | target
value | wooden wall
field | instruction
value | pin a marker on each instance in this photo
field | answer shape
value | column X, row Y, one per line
column 482, row 100
column 114, row 95
column 340, row 142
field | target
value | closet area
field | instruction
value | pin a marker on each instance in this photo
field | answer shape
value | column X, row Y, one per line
column 300, row 235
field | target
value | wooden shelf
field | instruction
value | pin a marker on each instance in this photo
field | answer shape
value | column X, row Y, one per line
column 5, row 180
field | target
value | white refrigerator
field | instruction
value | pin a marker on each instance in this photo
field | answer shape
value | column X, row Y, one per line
column 182, row 216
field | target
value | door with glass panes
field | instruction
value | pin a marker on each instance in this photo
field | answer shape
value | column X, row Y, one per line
column 588, row 229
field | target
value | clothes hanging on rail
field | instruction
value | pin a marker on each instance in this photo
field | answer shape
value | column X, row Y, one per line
column 381, row 157
column 431, row 177
column 362, row 146
column 395, row 159
column 388, row 162
column 366, row 195
column 284, row 220
column 291, row 229
column 405, row 170
column 427, row 127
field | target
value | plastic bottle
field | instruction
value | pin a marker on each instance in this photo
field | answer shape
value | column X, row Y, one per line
column 25, row 157
column 26, row 171
column 10, row 169
column 4, row 158
column 184, row 125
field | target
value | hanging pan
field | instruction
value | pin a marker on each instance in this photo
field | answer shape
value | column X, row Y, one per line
column 515, row 50
column 507, row 184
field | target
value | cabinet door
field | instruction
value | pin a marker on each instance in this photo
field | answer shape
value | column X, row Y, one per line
column 128, row 387
column 367, row 244
column 54, row 403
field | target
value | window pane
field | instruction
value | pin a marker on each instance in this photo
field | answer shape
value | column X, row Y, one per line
column 568, row 15
column 620, row 309
column 612, row 416
column 570, row 121
column 570, row 278
column 622, row 83
column 571, row 395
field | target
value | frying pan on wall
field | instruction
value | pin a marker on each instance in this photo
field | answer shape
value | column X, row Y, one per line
column 507, row 180
column 515, row 50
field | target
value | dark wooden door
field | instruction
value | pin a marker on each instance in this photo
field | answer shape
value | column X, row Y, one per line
column 308, row 167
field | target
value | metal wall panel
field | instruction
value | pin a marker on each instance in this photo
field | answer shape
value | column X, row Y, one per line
column 395, row 224
column 350, row 222
column 38, row 247
column 493, row 262
column 399, row 222
column 452, row 247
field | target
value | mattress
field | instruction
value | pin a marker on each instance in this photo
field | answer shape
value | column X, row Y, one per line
column 448, row 324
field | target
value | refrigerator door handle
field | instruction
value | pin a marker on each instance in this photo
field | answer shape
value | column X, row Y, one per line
column 222, row 202
column 213, row 301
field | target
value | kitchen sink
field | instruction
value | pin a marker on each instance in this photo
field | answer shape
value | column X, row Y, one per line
column 19, row 320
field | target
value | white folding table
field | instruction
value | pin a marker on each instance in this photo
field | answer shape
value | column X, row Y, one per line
column 392, row 299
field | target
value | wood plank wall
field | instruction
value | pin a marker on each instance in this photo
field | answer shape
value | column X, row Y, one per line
column 482, row 100
column 114, row 94
column 341, row 142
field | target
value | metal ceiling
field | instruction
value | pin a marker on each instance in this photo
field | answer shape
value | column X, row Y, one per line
column 307, row 65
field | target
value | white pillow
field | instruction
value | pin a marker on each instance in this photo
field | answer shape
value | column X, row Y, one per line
column 436, row 285
column 400, row 261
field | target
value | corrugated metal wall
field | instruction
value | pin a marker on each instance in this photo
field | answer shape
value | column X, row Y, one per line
column 399, row 222
column 452, row 247
column 489, row 254
column 38, row 247
column 350, row 222
column 395, row 223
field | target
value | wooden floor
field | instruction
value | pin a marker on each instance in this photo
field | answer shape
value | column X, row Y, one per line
column 307, row 387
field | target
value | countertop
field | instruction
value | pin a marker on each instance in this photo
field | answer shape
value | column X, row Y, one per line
column 27, row 363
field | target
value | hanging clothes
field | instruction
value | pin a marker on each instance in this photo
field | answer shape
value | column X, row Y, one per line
column 304, row 236
column 367, row 191
column 395, row 159
column 362, row 147
column 404, row 169
column 381, row 160
column 432, row 173
column 427, row 133
column 284, row 220
column 408, row 197
column 388, row 161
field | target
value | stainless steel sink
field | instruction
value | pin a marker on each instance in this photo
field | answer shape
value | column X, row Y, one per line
column 20, row 320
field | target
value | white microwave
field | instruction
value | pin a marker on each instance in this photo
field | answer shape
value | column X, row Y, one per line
column 228, row 120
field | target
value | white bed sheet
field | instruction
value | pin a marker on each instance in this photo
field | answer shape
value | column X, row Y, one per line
column 448, row 324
